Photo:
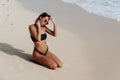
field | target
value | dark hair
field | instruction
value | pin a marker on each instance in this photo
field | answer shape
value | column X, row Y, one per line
column 44, row 14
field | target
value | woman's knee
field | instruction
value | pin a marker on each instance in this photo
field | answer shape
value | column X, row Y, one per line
column 53, row 66
column 46, row 61
column 60, row 64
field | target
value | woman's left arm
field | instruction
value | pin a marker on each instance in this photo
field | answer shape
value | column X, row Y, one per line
column 54, row 32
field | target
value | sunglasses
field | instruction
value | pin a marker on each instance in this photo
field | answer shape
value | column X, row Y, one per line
column 46, row 21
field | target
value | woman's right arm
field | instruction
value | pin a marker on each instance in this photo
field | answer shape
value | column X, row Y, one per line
column 34, row 33
column 38, row 33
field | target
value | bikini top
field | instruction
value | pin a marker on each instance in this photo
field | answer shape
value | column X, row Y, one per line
column 43, row 37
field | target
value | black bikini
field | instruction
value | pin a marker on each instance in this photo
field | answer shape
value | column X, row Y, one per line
column 40, row 51
column 43, row 37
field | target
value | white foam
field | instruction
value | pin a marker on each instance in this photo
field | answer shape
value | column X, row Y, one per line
column 106, row 8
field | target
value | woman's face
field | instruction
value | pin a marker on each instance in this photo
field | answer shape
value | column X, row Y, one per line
column 44, row 21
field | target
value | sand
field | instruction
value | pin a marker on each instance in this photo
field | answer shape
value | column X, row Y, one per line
column 87, row 44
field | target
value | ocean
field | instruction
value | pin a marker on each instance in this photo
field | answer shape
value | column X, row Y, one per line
column 106, row 8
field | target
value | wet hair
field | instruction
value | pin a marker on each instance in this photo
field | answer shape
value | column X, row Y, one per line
column 42, row 15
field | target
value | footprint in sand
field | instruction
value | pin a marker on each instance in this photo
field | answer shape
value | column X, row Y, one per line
column 4, row 2
column 11, row 24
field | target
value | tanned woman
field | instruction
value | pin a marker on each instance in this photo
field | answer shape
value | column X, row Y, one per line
column 38, row 32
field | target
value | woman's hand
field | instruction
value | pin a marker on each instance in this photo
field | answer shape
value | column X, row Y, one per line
column 38, row 24
column 52, row 20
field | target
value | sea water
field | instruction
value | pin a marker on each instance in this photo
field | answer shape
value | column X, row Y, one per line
column 106, row 8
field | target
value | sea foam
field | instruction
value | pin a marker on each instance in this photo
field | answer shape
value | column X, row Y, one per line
column 106, row 8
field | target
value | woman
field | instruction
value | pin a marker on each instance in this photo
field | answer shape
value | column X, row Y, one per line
column 41, row 53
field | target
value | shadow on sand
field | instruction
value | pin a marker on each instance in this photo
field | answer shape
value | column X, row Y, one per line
column 10, row 50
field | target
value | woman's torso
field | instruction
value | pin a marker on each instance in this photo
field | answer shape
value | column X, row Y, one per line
column 40, row 45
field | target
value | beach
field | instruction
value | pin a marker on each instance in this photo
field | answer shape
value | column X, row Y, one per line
column 87, row 44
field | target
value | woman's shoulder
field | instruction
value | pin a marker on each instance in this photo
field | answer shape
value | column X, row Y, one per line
column 31, row 26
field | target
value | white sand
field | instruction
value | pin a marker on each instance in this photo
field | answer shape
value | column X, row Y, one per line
column 88, row 45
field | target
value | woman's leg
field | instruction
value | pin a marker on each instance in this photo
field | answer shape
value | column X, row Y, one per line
column 44, row 60
column 55, row 58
